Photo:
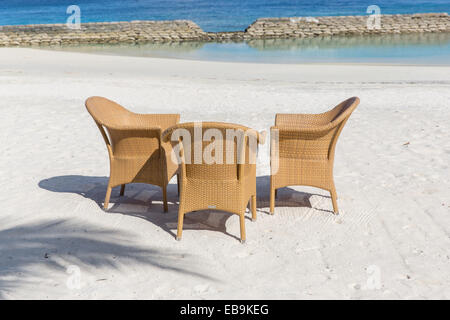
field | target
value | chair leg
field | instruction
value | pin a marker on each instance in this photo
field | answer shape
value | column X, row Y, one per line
column 178, row 184
column 242, row 223
column 108, row 195
column 253, row 207
column 164, row 191
column 180, row 224
column 122, row 190
column 334, row 200
column 272, row 200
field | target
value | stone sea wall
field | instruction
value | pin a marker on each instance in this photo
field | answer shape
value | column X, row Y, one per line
column 348, row 25
column 101, row 32
column 136, row 32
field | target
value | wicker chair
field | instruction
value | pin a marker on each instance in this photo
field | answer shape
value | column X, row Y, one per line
column 303, row 147
column 225, row 183
column 136, row 153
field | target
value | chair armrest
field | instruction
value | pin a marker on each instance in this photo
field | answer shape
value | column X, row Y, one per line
column 296, row 119
column 304, row 131
column 162, row 120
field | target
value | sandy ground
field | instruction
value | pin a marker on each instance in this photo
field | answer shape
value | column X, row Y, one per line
column 391, row 240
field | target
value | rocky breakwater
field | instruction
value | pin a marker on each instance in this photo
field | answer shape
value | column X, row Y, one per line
column 136, row 32
column 101, row 33
column 306, row 27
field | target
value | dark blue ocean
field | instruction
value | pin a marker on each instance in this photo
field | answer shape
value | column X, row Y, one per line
column 211, row 15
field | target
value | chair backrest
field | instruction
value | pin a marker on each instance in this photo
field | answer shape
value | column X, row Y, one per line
column 213, row 150
column 313, row 136
column 128, row 134
column 342, row 111
column 328, row 119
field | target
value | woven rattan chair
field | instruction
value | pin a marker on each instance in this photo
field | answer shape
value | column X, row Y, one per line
column 303, row 147
column 207, row 184
column 136, row 152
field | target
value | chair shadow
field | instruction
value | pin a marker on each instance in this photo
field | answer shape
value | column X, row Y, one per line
column 142, row 201
column 286, row 197
column 145, row 201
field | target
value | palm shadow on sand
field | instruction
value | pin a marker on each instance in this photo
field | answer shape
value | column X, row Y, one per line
column 56, row 244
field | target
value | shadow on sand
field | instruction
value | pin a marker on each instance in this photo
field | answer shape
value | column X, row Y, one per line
column 144, row 201
column 55, row 244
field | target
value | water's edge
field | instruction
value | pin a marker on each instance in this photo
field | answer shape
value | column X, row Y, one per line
column 406, row 49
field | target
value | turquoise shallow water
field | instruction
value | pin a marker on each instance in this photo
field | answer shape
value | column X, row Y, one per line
column 427, row 49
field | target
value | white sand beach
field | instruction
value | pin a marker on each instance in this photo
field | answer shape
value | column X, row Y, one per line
column 390, row 241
